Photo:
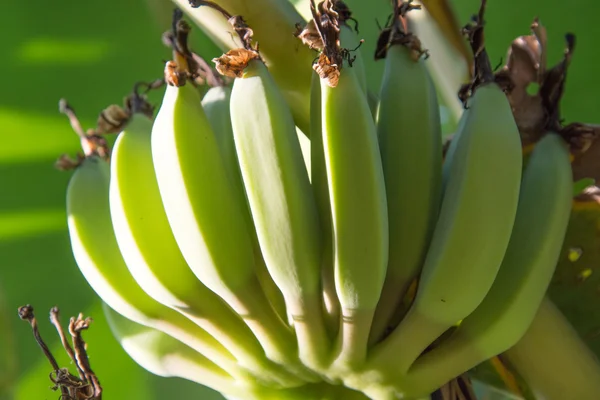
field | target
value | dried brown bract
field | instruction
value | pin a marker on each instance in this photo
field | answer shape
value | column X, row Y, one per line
column 310, row 36
column 396, row 32
column 526, row 66
column 234, row 62
column 322, row 33
column 326, row 22
column 483, row 72
column 173, row 75
column 327, row 71
column 112, row 119
column 187, row 62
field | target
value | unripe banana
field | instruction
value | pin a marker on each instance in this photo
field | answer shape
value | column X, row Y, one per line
column 206, row 215
column 216, row 106
column 471, row 235
column 321, row 190
column 160, row 354
column 281, row 202
column 410, row 140
column 357, row 197
column 148, row 247
column 97, row 254
column 519, row 288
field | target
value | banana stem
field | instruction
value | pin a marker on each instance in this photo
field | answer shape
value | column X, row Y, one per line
column 554, row 360
column 351, row 345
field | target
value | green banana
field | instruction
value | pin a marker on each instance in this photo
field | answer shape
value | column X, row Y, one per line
column 519, row 288
column 97, row 254
column 357, row 197
column 216, row 106
column 471, row 235
column 164, row 356
column 207, row 218
column 320, row 188
column 281, row 202
column 148, row 245
column 409, row 131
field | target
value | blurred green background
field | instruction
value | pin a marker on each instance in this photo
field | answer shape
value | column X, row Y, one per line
column 91, row 53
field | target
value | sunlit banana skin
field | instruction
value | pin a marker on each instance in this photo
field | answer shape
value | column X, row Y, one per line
column 207, row 218
column 357, row 197
column 409, row 131
column 527, row 268
column 148, row 245
column 471, row 235
column 281, row 202
column 215, row 104
column 97, row 254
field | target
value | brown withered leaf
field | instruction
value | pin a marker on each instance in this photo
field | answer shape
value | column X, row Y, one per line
column 233, row 63
column 310, row 36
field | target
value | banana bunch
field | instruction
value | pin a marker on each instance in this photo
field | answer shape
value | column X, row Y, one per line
column 367, row 264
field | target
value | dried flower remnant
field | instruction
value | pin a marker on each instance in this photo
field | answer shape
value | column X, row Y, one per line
column 86, row 386
column 322, row 33
column 396, row 32
column 91, row 142
column 233, row 63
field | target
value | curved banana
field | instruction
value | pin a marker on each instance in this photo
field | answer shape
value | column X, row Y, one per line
column 357, row 197
column 216, row 106
column 153, row 256
column 471, row 235
column 319, row 183
column 97, row 254
column 528, row 266
column 164, row 356
column 281, row 202
column 410, row 140
column 206, row 215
